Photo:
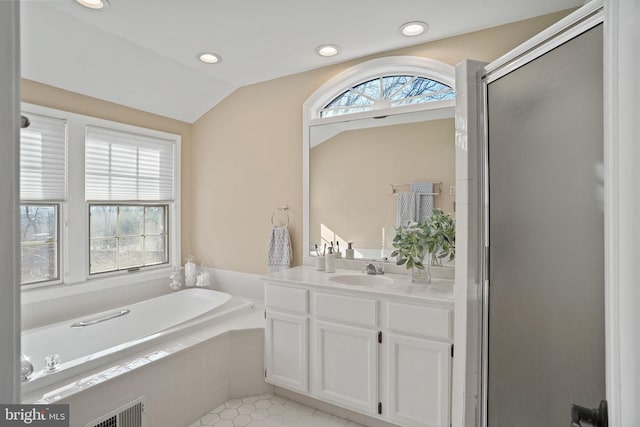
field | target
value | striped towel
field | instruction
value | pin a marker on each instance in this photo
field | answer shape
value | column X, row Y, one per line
column 280, row 253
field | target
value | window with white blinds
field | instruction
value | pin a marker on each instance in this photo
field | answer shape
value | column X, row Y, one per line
column 122, row 166
column 99, row 199
column 43, row 159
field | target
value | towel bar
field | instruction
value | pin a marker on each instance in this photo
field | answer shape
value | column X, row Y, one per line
column 437, row 184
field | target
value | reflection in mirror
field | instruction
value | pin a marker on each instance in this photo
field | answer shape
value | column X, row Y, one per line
column 352, row 166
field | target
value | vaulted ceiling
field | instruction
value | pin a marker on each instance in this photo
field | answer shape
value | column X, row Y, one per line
column 144, row 53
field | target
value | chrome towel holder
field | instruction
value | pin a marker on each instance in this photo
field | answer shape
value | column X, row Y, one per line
column 436, row 185
column 282, row 209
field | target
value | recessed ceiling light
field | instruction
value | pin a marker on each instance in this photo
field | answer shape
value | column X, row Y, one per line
column 209, row 58
column 94, row 4
column 327, row 50
column 412, row 29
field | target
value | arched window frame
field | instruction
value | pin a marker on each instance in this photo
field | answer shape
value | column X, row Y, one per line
column 425, row 67
column 387, row 91
column 376, row 68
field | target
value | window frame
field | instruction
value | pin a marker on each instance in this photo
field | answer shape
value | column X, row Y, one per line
column 370, row 70
column 73, row 215
column 145, row 205
column 363, row 71
column 60, row 203
column 57, row 280
column 386, row 101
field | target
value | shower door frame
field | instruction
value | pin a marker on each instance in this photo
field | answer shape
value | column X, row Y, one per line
column 572, row 26
column 10, row 200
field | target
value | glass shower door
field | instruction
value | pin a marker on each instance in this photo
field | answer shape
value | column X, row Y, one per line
column 546, row 237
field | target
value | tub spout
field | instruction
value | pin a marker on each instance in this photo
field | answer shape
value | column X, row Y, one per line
column 26, row 367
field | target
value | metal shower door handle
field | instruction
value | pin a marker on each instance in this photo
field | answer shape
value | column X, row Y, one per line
column 595, row 417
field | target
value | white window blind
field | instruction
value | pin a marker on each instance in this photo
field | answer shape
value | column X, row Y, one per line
column 122, row 166
column 43, row 159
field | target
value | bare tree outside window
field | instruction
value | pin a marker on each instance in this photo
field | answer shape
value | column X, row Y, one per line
column 127, row 236
column 385, row 92
column 39, row 243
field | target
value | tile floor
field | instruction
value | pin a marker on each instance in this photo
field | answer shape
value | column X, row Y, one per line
column 269, row 411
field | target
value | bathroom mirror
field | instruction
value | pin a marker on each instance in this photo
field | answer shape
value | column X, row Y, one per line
column 353, row 164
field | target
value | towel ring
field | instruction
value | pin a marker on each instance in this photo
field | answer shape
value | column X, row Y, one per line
column 283, row 208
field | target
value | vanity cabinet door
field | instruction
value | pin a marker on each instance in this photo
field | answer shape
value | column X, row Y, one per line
column 419, row 382
column 346, row 366
column 286, row 355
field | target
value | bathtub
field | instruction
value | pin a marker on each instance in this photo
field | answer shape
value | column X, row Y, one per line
column 95, row 340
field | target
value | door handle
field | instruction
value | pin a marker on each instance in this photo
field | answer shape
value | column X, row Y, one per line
column 595, row 417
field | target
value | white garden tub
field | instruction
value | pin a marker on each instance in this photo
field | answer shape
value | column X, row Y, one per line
column 95, row 340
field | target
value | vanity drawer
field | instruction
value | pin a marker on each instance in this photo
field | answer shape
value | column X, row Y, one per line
column 358, row 311
column 420, row 320
column 286, row 298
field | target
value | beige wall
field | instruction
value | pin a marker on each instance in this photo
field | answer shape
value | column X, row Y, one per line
column 243, row 158
column 350, row 177
column 52, row 97
column 247, row 150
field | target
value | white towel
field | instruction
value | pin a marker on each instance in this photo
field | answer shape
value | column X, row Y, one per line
column 280, row 253
column 424, row 202
column 406, row 208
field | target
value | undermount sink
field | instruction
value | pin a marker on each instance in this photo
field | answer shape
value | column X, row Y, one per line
column 361, row 279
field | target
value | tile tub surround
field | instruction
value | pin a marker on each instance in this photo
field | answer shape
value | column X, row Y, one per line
column 182, row 379
column 126, row 330
column 269, row 410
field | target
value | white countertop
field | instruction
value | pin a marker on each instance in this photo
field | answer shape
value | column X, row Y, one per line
column 439, row 290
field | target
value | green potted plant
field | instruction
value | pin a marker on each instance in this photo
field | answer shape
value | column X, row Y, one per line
column 420, row 245
column 411, row 245
column 441, row 242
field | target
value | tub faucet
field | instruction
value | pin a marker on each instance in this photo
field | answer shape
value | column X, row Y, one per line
column 52, row 362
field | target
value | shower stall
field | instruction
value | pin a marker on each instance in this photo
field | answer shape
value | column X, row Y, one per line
column 543, row 220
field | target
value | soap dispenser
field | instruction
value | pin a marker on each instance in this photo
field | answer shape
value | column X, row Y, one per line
column 348, row 253
column 330, row 261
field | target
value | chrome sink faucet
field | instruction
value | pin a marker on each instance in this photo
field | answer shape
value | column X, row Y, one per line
column 372, row 269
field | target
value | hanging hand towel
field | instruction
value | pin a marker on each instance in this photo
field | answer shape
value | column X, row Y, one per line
column 280, row 253
column 424, row 202
column 406, row 208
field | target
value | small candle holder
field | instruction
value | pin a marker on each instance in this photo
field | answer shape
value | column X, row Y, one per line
column 190, row 273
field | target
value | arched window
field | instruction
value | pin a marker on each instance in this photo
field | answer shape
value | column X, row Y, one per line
column 387, row 91
column 386, row 86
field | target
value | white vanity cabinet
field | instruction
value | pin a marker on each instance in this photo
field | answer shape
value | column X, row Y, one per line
column 287, row 337
column 419, row 355
column 385, row 355
column 345, row 350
